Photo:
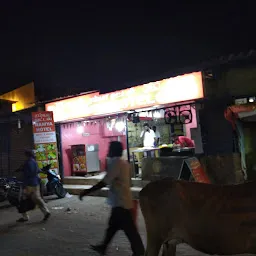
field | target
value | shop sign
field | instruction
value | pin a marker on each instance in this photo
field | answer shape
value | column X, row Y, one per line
column 45, row 139
column 171, row 90
column 197, row 170
column 241, row 101
column 86, row 134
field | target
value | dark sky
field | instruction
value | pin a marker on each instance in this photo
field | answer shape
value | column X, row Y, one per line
column 114, row 46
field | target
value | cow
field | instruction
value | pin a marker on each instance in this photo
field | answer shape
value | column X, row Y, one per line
column 213, row 219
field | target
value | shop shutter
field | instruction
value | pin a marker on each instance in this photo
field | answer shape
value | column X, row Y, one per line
column 20, row 140
column 217, row 133
column 4, row 149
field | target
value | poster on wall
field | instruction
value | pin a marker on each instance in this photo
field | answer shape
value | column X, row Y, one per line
column 45, row 141
column 78, row 158
column 197, row 170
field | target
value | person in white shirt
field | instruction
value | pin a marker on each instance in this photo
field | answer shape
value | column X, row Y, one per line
column 120, row 199
column 148, row 136
column 157, row 135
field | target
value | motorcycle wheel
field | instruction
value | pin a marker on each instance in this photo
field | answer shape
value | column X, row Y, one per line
column 3, row 195
column 60, row 191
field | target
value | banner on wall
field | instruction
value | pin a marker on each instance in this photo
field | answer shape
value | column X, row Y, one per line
column 235, row 112
column 197, row 170
column 45, row 140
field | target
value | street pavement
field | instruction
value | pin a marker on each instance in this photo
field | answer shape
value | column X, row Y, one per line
column 73, row 226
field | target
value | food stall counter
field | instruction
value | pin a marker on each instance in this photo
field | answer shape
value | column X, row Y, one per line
column 139, row 153
column 168, row 154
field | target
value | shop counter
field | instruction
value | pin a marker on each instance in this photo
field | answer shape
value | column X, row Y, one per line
column 166, row 151
column 140, row 153
column 156, row 168
column 177, row 167
column 171, row 160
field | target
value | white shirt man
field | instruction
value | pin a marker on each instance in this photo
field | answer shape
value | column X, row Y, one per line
column 118, row 178
column 148, row 136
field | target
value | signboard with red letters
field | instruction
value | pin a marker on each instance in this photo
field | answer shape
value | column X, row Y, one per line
column 45, row 139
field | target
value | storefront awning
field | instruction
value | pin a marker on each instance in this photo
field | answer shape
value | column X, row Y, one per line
column 188, row 87
column 246, row 112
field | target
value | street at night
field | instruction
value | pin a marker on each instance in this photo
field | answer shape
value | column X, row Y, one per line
column 113, row 113
column 74, row 225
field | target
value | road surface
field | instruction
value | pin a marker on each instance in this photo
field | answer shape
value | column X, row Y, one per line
column 73, row 226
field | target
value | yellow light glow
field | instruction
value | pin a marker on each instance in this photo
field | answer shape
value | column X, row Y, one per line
column 14, row 107
column 24, row 97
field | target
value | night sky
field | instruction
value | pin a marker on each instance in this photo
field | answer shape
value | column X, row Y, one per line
column 67, row 50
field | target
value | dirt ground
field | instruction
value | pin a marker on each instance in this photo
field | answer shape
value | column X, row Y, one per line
column 74, row 225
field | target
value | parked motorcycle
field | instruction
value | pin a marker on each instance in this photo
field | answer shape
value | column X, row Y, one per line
column 14, row 195
column 53, row 185
column 5, row 185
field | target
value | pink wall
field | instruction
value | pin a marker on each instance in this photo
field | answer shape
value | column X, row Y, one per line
column 193, row 124
column 96, row 134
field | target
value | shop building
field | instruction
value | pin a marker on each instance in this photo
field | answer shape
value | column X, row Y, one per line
column 229, row 82
column 243, row 119
column 5, row 111
column 89, row 122
column 16, row 127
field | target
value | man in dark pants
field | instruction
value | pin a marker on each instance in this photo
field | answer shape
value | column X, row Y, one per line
column 120, row 198
column 31, row 186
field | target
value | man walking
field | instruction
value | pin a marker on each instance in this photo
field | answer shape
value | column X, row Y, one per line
column 120, row 198
column 31, row 185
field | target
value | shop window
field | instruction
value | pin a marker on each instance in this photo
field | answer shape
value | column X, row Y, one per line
column 165, row 131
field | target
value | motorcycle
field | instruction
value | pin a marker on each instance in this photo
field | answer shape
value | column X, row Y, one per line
column 16, row 197
column 53, row 185
column 5, row 185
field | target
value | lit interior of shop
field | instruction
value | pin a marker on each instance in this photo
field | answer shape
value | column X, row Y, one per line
column 180, row 120
column 90, row 122
column 85, row 142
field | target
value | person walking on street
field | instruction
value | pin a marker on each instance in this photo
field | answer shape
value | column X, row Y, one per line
column 120, row 199
column 31, row 186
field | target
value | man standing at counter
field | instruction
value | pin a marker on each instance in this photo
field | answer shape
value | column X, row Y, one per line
column 148, row 136
column 183, row 141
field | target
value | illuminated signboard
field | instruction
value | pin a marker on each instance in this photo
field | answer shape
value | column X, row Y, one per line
column 177, row 89
column 45, row 140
